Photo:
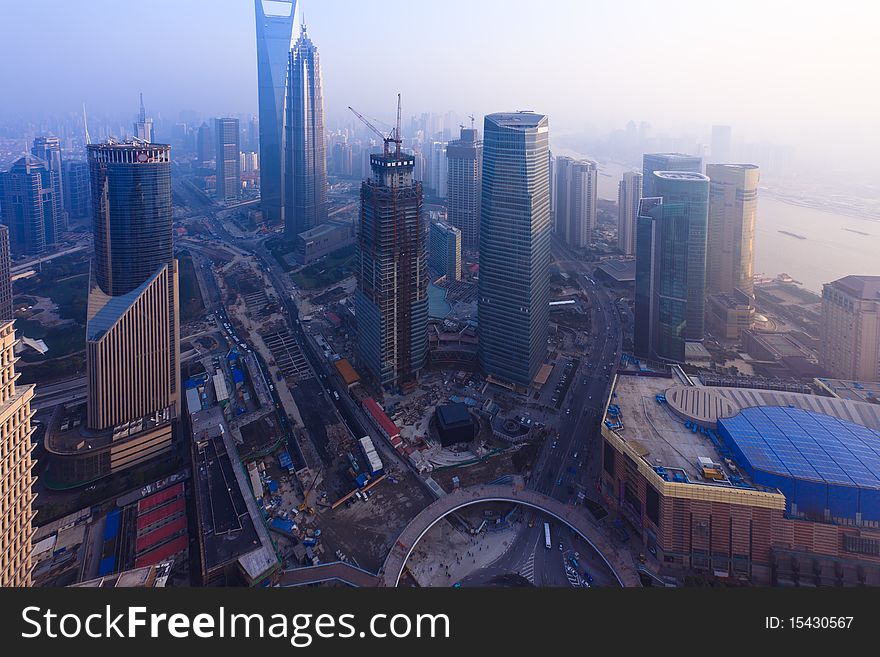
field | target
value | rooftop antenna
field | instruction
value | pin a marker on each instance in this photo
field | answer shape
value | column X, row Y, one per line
column 86, row 126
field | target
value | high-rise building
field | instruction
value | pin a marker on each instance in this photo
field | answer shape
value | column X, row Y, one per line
column 391, row 300
column 733, row 206
column 514, row 287
column 29, row 205
column 204, row 144
column 6, row 307
column 720, row 148
column 444, row 250
column 132, row 347
column 576, row 200
column 438, row 169
column 275, row 20
column 77, row 195
column 48, row 149
column 305, row 168
column 652, row 162
column 629, row 193
column 671, row 265
column 464, row 158
column 850, row 329
column 16, row 495
column 143, row 127
column 227, row 159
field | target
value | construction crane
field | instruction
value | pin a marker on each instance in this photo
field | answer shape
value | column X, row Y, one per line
column 392, row 138
column 471, row 117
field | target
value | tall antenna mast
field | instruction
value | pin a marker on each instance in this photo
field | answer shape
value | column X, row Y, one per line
column 86, row 125
column 397, row 138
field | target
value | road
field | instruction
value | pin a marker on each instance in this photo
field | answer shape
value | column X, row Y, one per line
column 569, row 465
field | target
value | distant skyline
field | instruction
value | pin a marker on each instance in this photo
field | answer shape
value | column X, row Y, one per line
column 785, row 72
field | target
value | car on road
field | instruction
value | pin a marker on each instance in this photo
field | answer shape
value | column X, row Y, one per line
column 560, row 547
column 559, row 481
column 568, row 411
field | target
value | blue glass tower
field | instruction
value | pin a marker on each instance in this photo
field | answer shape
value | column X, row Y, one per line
column 275, row 21
column 514, row 288
column 671, row 265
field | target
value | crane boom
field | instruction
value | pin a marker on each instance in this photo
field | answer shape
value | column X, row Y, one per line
column 393, row 138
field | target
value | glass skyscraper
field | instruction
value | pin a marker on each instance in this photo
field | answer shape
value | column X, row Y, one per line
column 228, row 161
column 48, row 149
column 275, row 20
column 29, row 205
column 305, row 168
column 514, row 287
column 652, row 162
column 464, row 159
column 671, row 265
column 132, row 349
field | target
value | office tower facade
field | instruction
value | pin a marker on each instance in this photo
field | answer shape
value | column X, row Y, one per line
column 733, row 207
column 850, row 329
column 438, row 169
column 275, row 21
column 671, row 265
column 227, row 159
column 391, row 300
column 48, row 149
column 6, row 307
column 576, row 200
column 305, row 170
column 514, row 286
column 444, row 249
column 132, row 334
column 629, row 193
column 29, row 206
column 204, row 144
column 720, row 150
column 464, row 158
column 652, row 162
column 77, row 195
column 143, row 127
column 16, row 496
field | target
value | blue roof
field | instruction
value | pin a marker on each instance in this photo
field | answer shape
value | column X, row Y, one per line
column 111, row 524
column 806, row 445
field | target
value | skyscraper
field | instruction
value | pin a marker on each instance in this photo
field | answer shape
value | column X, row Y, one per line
column 514, row 287
column 444, row 250
column 576, row 200
column 671, row 265
column 733, row 206
column 48, row 149
column 16, row 495
column 132, row 339
column 6, row 307
column 228, row 162
column 391, row 300
column 204, row 144
column 652, row 162
column 629, row 193
column 275, row 21
column 143, row 127
column 29, row 205
column 464, row 158
column 77, row 196
column 305, row 169
column 720, row 147
column 850, row 328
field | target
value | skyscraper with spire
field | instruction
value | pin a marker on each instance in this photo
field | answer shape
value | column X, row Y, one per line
column 143, row 127
column 305, row 163
column 275, row 21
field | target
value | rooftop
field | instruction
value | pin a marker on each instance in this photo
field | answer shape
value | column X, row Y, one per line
column 805, row 445
column 681, row 175
column 521, row 119
column 853, row 390
column 861, row 287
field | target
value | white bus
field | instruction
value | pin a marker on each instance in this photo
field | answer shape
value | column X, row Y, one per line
column 547, row 543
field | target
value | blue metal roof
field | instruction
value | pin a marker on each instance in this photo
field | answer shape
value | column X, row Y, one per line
column 805, row 445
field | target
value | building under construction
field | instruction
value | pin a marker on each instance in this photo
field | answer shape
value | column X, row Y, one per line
column 391, row 300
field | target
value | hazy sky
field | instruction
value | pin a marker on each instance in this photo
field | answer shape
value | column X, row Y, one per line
column 799, row 72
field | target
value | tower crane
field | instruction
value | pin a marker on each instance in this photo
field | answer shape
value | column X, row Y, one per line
column 393, row 137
